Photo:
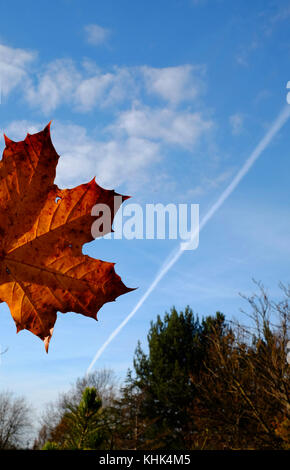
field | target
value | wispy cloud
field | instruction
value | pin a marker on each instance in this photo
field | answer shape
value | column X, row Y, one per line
column 139, row 135
column 14, row 65
column 55, row 85
column 169, row 126
column 242, row 57
column 105, row 89
column 236, row 122
column 84, row 86
column 282, row 14
column 61, row 82
column 131, row 146
column 175, row 84
column 114, row 161
column 96, row 34
column 208, row 184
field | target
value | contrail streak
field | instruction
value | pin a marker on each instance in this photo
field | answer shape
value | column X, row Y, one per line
column 176, row 254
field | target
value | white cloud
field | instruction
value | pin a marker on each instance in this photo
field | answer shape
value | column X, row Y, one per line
column 114, row 162
column 128, row 153
column 126, row 160
column 96, row 34
column 137, row 139
column 92, row 90
column 14, row 65
column 82, row 88
column 17, row 130
column 55, row 86
column 236, row 123
column 124, row 86
column 174, row 84
column 105, row 89
column 61, row 83
column 166, row 125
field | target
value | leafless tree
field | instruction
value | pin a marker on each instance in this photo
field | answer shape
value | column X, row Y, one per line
column 272, row 330
column 15, row 421
column 247, row 375
column 103, row 380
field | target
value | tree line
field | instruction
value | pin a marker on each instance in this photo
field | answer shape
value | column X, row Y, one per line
column 204, row 383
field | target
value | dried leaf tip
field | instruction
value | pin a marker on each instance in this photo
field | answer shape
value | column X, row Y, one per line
column 47, row 340
column 7, row 140
column 47, row 128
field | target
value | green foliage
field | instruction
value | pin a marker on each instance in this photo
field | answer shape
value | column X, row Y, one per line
column 84, row 422
column 177, row 349
column 82, row 425
column 204, row 384
column 50, row 446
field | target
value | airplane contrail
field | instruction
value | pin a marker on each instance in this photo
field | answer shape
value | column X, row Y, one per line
column 176, row 253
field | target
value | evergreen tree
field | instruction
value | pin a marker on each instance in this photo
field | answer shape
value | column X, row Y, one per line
column 82, row 426
column 177, row 349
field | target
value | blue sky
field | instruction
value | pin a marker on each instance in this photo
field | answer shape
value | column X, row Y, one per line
column 165, row 101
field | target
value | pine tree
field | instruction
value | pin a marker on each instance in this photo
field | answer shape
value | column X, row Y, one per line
column 177, row 348
column 82, row 426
